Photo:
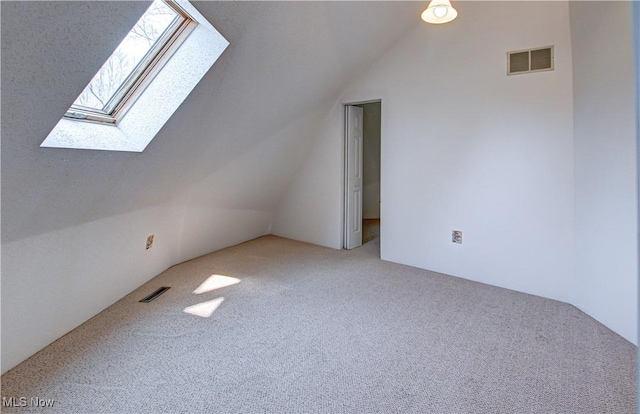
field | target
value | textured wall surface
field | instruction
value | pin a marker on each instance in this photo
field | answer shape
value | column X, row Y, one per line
column 465, row 147
column 605, row 164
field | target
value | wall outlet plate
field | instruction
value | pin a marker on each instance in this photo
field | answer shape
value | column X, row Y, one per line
column 149, row 241
column 456, row 236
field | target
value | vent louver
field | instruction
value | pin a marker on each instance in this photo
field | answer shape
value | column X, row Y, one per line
column 519, row 62
column 155, row 294
column 531, row 60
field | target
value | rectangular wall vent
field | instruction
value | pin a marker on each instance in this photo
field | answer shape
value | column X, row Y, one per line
column 530, row 60
column 155, row 294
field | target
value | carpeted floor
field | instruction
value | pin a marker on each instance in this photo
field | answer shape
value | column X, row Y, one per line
column 288, row 327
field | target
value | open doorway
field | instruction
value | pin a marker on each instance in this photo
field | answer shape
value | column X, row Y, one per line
column 362, row 173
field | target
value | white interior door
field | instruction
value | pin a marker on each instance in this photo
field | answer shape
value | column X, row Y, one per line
column 353, row 177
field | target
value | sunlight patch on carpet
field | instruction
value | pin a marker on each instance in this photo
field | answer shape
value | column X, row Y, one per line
column 214, row 282
column 204, row 309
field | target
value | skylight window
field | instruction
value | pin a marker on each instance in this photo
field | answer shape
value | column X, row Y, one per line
column 136, row 60
column 143, row 83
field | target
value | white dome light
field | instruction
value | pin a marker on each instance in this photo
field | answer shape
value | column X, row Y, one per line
column 439, row 11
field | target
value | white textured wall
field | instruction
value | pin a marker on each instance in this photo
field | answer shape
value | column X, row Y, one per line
column 53, row 282
column 605, row 164
column 466, row 147
column 311, row 208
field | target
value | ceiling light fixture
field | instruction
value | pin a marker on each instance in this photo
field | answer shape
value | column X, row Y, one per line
column 439, row 11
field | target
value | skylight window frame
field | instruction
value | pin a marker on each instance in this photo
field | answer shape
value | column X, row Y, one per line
column 155, row 106
column 137, row 81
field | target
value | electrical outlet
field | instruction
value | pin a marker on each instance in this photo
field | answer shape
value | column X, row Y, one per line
column 149, row 242
column 456, row 236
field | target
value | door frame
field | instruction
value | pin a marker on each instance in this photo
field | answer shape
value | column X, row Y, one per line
column 345, row 156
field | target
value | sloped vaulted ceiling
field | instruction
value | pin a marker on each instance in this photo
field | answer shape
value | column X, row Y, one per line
column 74, row 222
column 285, row 60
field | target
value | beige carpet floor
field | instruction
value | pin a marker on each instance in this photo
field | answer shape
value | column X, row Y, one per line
column 278, row 326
